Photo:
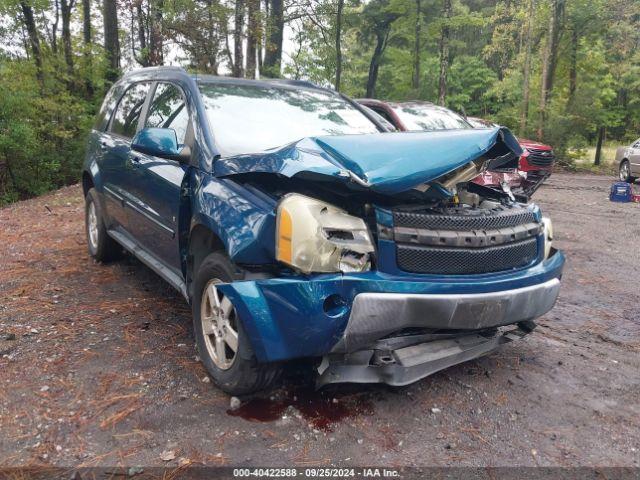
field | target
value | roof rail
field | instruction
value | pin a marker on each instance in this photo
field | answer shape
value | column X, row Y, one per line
column 296, row 83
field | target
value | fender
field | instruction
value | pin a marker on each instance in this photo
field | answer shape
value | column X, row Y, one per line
column 243, row 221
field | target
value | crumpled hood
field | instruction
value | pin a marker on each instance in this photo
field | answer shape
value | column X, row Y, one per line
column 387, row 163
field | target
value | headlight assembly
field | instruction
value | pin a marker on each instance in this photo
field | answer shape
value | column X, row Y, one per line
column 548, row 235
column 314, row 236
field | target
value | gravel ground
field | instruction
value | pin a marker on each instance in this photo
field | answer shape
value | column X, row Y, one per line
column 98, row 367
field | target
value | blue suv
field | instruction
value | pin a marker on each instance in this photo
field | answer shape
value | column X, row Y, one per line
column 297, row 226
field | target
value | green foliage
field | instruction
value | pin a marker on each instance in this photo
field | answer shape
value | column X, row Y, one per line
column 42, row 129
column 45, row 114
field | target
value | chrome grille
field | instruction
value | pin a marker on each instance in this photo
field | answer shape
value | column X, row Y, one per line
column 462, row 240
column 540, row 158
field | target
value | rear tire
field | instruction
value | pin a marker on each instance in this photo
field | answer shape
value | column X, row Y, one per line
column 218, row 330
column 624, row 172
column 100, row 245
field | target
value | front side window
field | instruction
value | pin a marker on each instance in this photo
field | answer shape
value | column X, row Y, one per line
column 254, row 118
column 108, row 106
column 125, row 120
column 169, row 110
column 429, row 117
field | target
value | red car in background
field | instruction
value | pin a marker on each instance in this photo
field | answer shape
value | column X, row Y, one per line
column 537, row 160
column 534, row 166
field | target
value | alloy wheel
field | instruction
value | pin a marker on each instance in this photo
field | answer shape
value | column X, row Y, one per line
column 92, row 225
column 219, row 325
column 624, row 171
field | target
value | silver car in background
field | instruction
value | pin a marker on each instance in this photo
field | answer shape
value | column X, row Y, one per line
column 628, row 160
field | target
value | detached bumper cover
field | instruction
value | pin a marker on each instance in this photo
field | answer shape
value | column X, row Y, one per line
column 375, row 315
column 405, row 365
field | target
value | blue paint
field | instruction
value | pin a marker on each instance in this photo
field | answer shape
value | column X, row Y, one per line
column 159, row 142
column 284, row 317
column 243, row 222
column 390, row 163
column 384, row 217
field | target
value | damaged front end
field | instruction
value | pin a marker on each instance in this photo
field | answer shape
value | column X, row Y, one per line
column 381, row 255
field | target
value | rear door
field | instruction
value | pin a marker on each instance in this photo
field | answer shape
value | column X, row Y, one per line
column 117, row 169
column 158, row 181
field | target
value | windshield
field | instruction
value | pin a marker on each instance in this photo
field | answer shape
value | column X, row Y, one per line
column 429, row 117
column 254, row 118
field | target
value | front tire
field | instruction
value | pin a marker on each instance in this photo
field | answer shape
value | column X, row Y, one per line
column 624, row 172
column 100, row 245
column 222, row 343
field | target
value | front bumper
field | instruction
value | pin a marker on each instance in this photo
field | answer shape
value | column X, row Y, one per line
column 312, row 316
column 376, row 315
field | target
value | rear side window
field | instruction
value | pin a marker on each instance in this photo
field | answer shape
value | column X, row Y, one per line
column 168, row 110
column 125, row 120
column 383, row 113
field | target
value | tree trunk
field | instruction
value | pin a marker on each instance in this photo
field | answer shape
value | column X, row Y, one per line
column 86, row 22
column 238, row 59
column 415, row 83
column 444, row 53
column 111, row 41
column 263, row 39
column 34, row 40
column 143, row 58
column 66, row 6
column 526, row 91
column 54, row 29
column 253, row 36
column 86, row 37
column 339, row 44
column 382, row 34
column 156, row 54
column 573, row 65
column 601, row 131
column 550, row 61
column 273, row 49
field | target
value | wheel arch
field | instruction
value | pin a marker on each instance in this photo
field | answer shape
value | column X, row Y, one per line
column 202, row 242
column 87, row 183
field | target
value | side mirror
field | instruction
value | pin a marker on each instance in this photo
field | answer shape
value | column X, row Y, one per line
column 160, row 142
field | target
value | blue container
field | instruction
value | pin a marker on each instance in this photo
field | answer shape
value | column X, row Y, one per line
column 621, row 192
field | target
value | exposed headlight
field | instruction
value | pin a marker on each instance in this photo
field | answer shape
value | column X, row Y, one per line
column 314, row 236
column 548, row 235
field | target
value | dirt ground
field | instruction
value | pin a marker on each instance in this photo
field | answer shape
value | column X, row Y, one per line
column 98, row 367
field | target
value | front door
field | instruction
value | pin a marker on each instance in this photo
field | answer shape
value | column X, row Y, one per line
column 116, row 168
column 157, row 181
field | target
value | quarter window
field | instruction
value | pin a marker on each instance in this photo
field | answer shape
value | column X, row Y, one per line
column 168, row 110
column 125, row 120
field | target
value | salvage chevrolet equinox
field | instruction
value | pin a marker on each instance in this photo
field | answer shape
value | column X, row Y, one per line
column 296, row 229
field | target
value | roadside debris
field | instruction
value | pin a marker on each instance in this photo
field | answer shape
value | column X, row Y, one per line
column 168, row 455
column 234, row 403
